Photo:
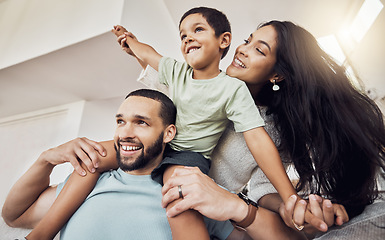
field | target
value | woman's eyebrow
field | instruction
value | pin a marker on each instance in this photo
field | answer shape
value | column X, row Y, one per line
column 262, row 42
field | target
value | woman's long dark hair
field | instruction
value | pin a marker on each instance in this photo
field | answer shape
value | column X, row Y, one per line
column 333, row 133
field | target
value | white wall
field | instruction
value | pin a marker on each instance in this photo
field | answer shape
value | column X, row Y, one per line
column 25, row 23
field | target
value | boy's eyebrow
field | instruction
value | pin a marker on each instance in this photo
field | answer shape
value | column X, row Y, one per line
column 263, row 42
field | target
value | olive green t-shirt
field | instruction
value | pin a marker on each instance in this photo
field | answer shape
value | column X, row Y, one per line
column 205, row 107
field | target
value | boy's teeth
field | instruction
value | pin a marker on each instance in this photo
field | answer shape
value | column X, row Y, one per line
column 239, row 63
column 192, row 50
column 130, row 148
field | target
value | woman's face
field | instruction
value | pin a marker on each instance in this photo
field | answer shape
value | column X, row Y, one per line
column 254, row 60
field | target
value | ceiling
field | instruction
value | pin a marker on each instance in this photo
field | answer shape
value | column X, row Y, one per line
column 96, row 69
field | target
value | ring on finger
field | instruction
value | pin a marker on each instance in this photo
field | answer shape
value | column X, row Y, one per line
column 299, row 228
column 180, row 191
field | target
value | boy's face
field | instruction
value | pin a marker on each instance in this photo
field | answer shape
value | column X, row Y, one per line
column 200, row 47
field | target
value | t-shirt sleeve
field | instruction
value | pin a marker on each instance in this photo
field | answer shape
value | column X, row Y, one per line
column 170, row 70
column 242, row 111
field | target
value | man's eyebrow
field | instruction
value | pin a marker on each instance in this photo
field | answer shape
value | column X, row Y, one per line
column 138, row 116
column 263, row 42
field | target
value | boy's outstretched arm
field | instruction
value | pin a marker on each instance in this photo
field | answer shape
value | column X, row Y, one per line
column 142, row 51
column 266, row 155
column 119, row 33
column 73, row 194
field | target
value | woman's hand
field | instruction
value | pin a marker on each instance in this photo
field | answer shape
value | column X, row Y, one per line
column 79, row 149
column 201, row 193
column 316, row 215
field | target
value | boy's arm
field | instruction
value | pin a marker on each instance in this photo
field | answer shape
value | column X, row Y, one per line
column 119, row 33
column 73, row 194
column 142, row 51
column 266, row 155
column 189, row 224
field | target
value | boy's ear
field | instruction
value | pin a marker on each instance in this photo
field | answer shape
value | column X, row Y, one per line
column 169, row 133
column 225, row 40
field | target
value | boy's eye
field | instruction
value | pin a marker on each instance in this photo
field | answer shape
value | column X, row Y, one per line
column 119, row 121
column 246, row 41
column 198, row 29
column 182, row 37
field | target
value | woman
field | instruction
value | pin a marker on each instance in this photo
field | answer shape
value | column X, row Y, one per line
column 333, row 134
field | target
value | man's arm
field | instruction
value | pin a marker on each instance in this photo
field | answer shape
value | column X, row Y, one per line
column 31, row 196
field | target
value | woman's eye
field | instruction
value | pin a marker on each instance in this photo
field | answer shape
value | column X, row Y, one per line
column 260, row 51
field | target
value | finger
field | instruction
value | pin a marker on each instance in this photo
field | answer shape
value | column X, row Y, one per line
column 93, row 149
column 341, row 214
column 328, row 212
column 180, row 207
column 183, row 171
column 315, row 207
column 315, row 221
column 170, row 196
column 288, row 210
column 75, row 163
column 84, row 157
column 299, row 212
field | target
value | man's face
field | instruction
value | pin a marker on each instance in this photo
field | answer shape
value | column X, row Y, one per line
column 139, row 136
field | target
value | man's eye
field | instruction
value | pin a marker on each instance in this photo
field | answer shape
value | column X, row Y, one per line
column 141, row 122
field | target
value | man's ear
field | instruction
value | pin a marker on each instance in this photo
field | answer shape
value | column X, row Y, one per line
column 169, row 133
column 225, row 39
column 277, row 77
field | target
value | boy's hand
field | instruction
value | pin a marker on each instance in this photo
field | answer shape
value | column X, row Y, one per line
column 119, row 30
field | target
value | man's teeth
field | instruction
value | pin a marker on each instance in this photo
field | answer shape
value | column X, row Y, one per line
column 239, row 63
column 130, row 148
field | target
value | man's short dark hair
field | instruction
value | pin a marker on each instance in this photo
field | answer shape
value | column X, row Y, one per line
column 215, row 18
column 167, row 110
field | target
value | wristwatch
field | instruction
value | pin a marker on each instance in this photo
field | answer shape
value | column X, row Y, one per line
column 251, row 213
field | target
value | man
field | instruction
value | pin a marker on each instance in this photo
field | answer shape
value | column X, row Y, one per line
column 125, row 202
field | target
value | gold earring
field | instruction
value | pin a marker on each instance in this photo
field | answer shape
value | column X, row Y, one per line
column 275, row 86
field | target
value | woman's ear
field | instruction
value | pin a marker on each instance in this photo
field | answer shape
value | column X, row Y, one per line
column 225, row 40
column 276, row 77
column 169, row 133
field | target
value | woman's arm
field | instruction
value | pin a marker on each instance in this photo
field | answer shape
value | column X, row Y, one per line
column 71, row 197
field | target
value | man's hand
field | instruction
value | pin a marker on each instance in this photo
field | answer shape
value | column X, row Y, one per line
column 79, row 149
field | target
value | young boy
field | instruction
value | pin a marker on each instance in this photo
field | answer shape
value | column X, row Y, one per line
column 206, row 99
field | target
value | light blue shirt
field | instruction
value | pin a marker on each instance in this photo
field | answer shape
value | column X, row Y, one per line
column 124, row 206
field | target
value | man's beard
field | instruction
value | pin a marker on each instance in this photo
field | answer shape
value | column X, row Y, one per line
column 143, row 159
